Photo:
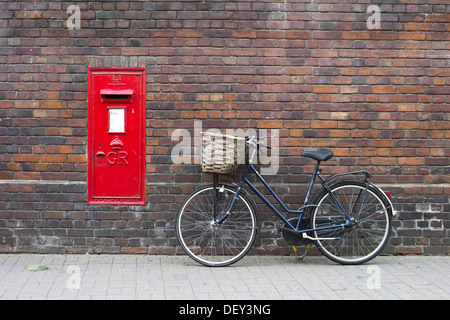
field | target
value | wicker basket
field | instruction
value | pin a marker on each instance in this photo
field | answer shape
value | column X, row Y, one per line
column 219, row 153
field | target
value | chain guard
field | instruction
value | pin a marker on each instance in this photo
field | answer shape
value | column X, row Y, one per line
column 296, row 239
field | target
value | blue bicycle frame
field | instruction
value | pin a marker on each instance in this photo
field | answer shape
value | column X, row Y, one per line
column 300, row 212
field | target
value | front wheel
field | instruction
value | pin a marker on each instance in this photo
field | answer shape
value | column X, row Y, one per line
column 208, row 242
column 368, row 231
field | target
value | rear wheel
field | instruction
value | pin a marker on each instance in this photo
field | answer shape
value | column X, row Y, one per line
column 370, row 227
column 208, row 242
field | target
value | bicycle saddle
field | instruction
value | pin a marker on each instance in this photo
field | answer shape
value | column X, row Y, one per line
column 318, row 155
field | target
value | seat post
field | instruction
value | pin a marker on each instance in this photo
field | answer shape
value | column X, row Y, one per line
column 317, row 166
column 311, row 183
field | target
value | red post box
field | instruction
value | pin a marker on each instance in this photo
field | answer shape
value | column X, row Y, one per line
column 116, row 135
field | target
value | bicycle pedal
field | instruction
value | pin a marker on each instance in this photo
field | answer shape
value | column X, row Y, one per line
column 295, row 252
column 300, row 257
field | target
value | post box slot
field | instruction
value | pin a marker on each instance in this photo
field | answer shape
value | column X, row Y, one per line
column 116, row 95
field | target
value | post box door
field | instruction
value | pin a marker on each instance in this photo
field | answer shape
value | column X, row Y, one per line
column 116, row 136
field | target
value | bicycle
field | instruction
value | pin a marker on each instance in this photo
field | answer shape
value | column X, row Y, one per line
column 349, row 219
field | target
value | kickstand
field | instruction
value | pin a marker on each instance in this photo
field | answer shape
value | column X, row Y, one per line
column 304, row 254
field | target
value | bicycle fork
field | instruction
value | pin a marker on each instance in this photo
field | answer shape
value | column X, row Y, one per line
column 233, row 203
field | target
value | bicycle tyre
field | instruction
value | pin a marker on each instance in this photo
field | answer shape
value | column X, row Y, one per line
column 370, row 230
column 208, row 243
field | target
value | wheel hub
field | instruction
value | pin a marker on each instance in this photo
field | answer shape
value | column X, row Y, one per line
column 214, row 225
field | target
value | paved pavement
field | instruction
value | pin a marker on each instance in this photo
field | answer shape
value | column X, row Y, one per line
column 252, row 278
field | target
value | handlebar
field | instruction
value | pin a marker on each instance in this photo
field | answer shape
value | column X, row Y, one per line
column 255, row 140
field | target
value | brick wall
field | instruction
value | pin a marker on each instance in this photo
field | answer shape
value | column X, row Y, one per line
column 379, row 98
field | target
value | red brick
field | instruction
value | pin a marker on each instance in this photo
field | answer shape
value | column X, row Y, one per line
column 270, row 124
column 134, row 250
column 27, row 175
column 298, row 34
column 385, row 89
column 439, row 18
column 409, row 250
column 270, row 52
column 412, row 35
column 216, row 51
column 326, row 89
column 54, row 14
column 349, row 35
column 298, row 71
column 161, row 124
column 383, row 35
column 270, row 34
column 52, row 131
column 53, row 158
column 76, row 158
column 134, row 51
column 410, row 161
column 28, row 14
column 66, row 149
column 412, row 89
column 270, row 88
column 26, row 158
column 409, row 125
column 189, row 33
column 26, row 104
column 324, row 124
column 53, row 104
column 250, row 34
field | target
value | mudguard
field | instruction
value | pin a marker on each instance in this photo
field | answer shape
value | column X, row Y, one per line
column 386, row 198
